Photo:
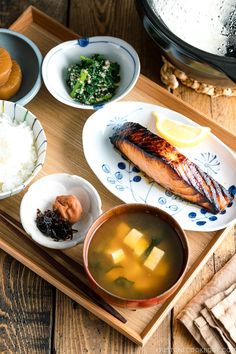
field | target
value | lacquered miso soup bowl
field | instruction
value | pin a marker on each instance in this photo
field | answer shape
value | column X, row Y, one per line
column 97, row 234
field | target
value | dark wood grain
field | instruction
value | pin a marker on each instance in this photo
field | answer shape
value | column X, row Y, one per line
column 26, row 309
column 10, row 10
column 86, row 334
column 117, row 18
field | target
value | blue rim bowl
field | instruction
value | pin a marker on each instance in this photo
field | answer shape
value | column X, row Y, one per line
column 18, row 113
column 59, row 58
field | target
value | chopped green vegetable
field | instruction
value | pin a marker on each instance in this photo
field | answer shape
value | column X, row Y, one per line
column 79, row 85
column 94, row 80
column 124, row 282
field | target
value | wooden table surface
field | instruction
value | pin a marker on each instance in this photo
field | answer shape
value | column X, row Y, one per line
column 34, row 316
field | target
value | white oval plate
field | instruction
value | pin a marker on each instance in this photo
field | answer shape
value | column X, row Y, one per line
column 126, row 182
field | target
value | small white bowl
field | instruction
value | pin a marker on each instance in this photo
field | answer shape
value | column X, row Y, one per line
column 19, row 114
column 43, row 193
column 59, row 58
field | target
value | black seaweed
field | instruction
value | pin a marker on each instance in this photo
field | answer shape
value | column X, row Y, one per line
column 51, row 224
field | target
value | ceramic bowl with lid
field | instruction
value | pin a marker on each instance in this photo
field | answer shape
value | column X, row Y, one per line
column 198, row 62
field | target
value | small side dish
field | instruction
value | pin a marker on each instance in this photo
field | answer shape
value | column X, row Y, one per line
column 88, row 73
column 23, row 146
column 58, row 210
column 20, row 68
column 18, row 153
column 58, row 223
column 93, row 80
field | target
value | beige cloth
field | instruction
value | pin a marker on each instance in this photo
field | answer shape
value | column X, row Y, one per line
column 217, row 301
column 225, row 314
column 205, row 326
column 213, row 334
column 200, row 319
column 214, row 300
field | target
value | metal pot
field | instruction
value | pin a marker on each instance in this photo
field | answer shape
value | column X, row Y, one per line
column 200, row 65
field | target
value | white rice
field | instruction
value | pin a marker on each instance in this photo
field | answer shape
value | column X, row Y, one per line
column 17, row 153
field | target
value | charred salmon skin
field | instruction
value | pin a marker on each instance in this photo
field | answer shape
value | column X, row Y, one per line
column 163, row 163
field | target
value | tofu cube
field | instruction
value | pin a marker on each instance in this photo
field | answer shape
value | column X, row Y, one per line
column 154, row 258
column 117, row 256
column 132, row 238
column 140, row 246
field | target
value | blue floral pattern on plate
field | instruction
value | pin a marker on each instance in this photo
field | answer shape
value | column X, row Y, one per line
column 126, row 182
column 117, row 121
column 208, row 162
column 203, row 216
column 169, row 202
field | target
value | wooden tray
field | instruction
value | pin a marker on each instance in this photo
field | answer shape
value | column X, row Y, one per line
column 63, row 126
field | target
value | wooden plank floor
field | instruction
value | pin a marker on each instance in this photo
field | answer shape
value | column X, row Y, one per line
column 35, row 317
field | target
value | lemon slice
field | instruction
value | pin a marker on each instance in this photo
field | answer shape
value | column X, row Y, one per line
column 180, row 134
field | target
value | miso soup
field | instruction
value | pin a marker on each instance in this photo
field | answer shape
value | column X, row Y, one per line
column 136, row 255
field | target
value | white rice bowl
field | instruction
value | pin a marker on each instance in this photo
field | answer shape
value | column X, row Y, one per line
column 22, row 148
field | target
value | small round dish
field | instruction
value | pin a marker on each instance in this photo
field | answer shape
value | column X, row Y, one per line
column 20, row 114
column 28, row 56
column 59, row 58
column 42, row 194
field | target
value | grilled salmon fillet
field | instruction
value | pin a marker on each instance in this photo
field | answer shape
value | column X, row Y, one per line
column 163, row 163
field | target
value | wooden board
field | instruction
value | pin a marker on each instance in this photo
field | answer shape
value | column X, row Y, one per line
column 63, row 126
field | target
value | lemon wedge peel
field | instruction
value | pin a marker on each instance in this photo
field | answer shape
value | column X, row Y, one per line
column 180, row 134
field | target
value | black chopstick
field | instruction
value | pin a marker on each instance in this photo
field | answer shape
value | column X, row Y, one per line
column 15, row 226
